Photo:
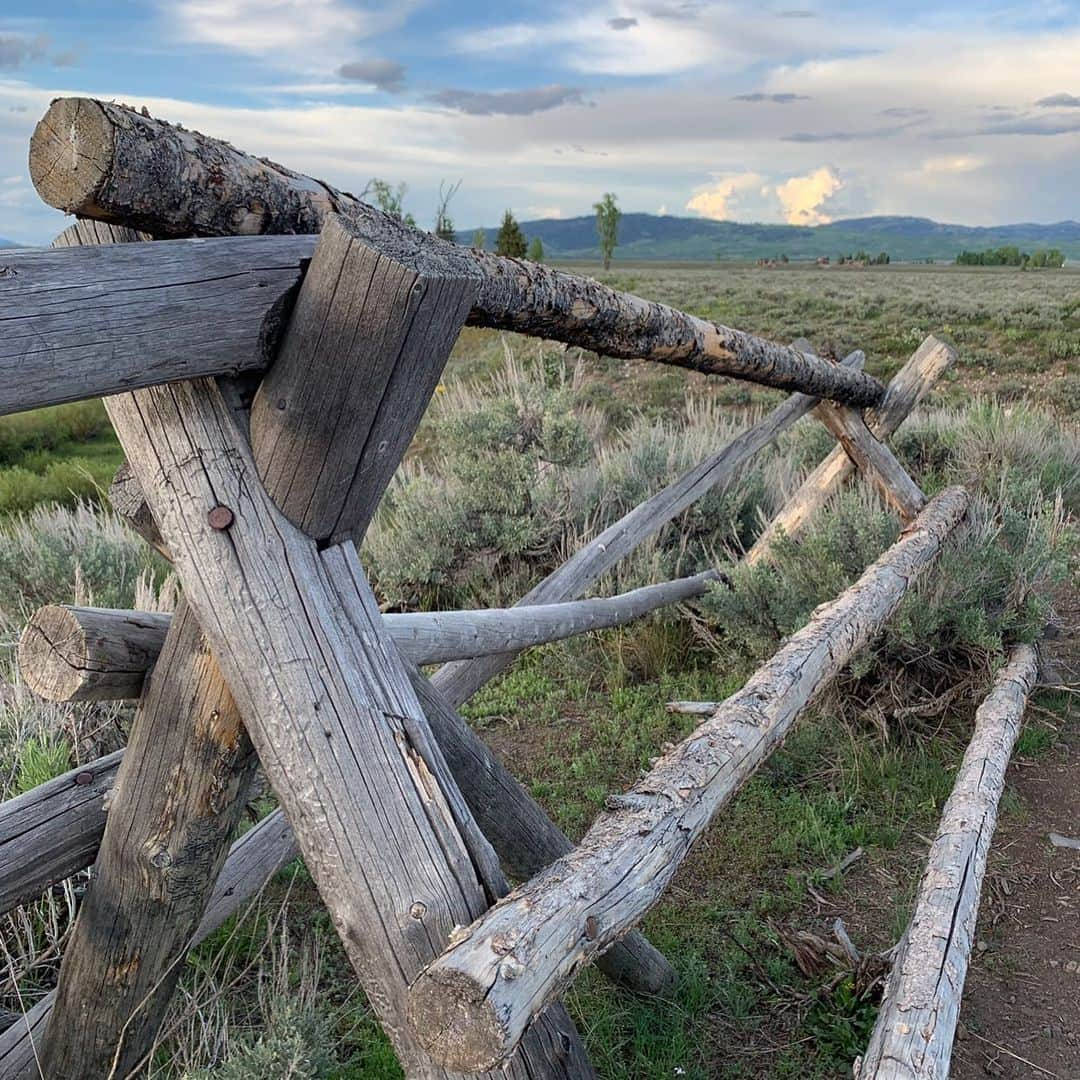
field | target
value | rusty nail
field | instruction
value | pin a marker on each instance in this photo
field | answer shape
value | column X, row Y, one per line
column 281, row 404
column 418, row 910
column 221, row 517
column 592, row 927
column 84, row 778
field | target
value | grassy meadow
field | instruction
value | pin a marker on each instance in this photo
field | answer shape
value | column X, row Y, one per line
column 526, row 451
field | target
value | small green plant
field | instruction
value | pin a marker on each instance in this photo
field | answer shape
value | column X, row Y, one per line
column 40, row 760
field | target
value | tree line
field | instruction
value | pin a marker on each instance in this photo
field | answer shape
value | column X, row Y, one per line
column 1011, row 255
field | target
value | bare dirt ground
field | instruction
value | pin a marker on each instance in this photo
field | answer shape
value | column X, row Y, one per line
column 1021, row 1010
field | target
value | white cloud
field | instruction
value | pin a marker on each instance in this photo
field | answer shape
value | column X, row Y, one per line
column 802, row 197
column 719, row 199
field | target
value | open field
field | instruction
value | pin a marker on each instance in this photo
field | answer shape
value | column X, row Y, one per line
column 527, row 450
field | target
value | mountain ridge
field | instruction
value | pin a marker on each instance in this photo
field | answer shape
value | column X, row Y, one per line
column 905, row 238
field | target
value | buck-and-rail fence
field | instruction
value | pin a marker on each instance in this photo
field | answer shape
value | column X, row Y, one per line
column 265, row 361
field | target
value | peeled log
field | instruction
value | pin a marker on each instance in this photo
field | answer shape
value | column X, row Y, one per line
column 470, row 1006
column 100, row 654
column 913, row 1037
column 103, row 161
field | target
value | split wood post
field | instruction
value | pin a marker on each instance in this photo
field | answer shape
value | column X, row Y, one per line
column 457, row 682
column 69, row 653
column 524, row 837
column 905, row 391
column 176, row 802
column 471, row 1006
column 252, row 860
column 913, row 1036
column 89, row 158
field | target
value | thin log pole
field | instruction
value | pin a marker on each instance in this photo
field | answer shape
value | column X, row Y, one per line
column 457, row 682
column 471, row 1006
column 913, row 1036
column 205, row 187
column 100, row 654
column 905, row 391
column 253, row 859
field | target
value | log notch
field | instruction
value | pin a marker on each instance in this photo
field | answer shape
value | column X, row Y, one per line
column 873, row 459
column 471, row 1006
column 90, row 654
column 100, row 654
column 176, row 803
column 457, row 682
column 53, row 831
column 85, row 153
column 257, row 855
column 907, row 389
column 913, row 1037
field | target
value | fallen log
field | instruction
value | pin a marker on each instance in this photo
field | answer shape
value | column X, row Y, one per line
column 100, row 654
column 117, row 148
column 252, row 860
column 470, row 1007
column 459, row 681
column 913, row 1036
column 905, row 391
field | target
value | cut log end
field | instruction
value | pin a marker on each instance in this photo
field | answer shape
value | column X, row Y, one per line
column 50, row 654
column 456, row 1023
column 71, row 155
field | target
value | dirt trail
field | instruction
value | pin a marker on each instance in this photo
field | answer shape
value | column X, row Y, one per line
column 1021, row 1008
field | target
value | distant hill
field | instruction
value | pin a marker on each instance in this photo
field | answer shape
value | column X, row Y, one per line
column 907, row 239
column 5, row 242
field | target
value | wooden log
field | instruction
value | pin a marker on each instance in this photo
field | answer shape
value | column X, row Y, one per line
column 101, row 654
column 177, row 801
column 907, row 388
column 367, row 343
column 338, row 729
column 913, row 1036
column 252, row 861
column 472, row 1004
column 85, row 322
column 873, row 459
column 53, row 831
column 105, row 162
column 89, row 654
column 459, row 681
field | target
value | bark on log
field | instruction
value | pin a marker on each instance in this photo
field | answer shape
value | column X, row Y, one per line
column 471, row 1006
column 330, row 710
column 913, row 1036
column 907, row 388
column 366, row 345
column 90, row 654
column 53, row 831
column 873, row 459
column 176, row 802
column 106, row 162
column 252, row 861
column 459, row 681
column 101, row 654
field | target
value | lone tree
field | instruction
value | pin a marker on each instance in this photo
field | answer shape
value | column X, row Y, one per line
column 607, row 225
column 479, row 239
column 511, row 240
column 536, row 249
column 389, row 199
column 444, row 224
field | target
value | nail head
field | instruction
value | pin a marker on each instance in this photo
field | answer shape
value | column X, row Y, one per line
column 221, row 517
column 84, row 778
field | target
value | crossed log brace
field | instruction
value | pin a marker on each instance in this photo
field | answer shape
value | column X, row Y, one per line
column 258, row 492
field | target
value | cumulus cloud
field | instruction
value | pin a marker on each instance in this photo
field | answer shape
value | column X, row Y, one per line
column 719, row 199
column 16, row 50
column 622, row 23
column 1069, row 101
column 508, row 102
column 802, row 198
column 777, row 99
column 386, row 75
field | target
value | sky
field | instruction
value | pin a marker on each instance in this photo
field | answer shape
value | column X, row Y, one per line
column 792, row 110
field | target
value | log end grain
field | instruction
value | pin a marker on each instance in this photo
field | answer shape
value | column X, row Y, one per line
column 49, row 653
column 71, row 155
column 456, row 1023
